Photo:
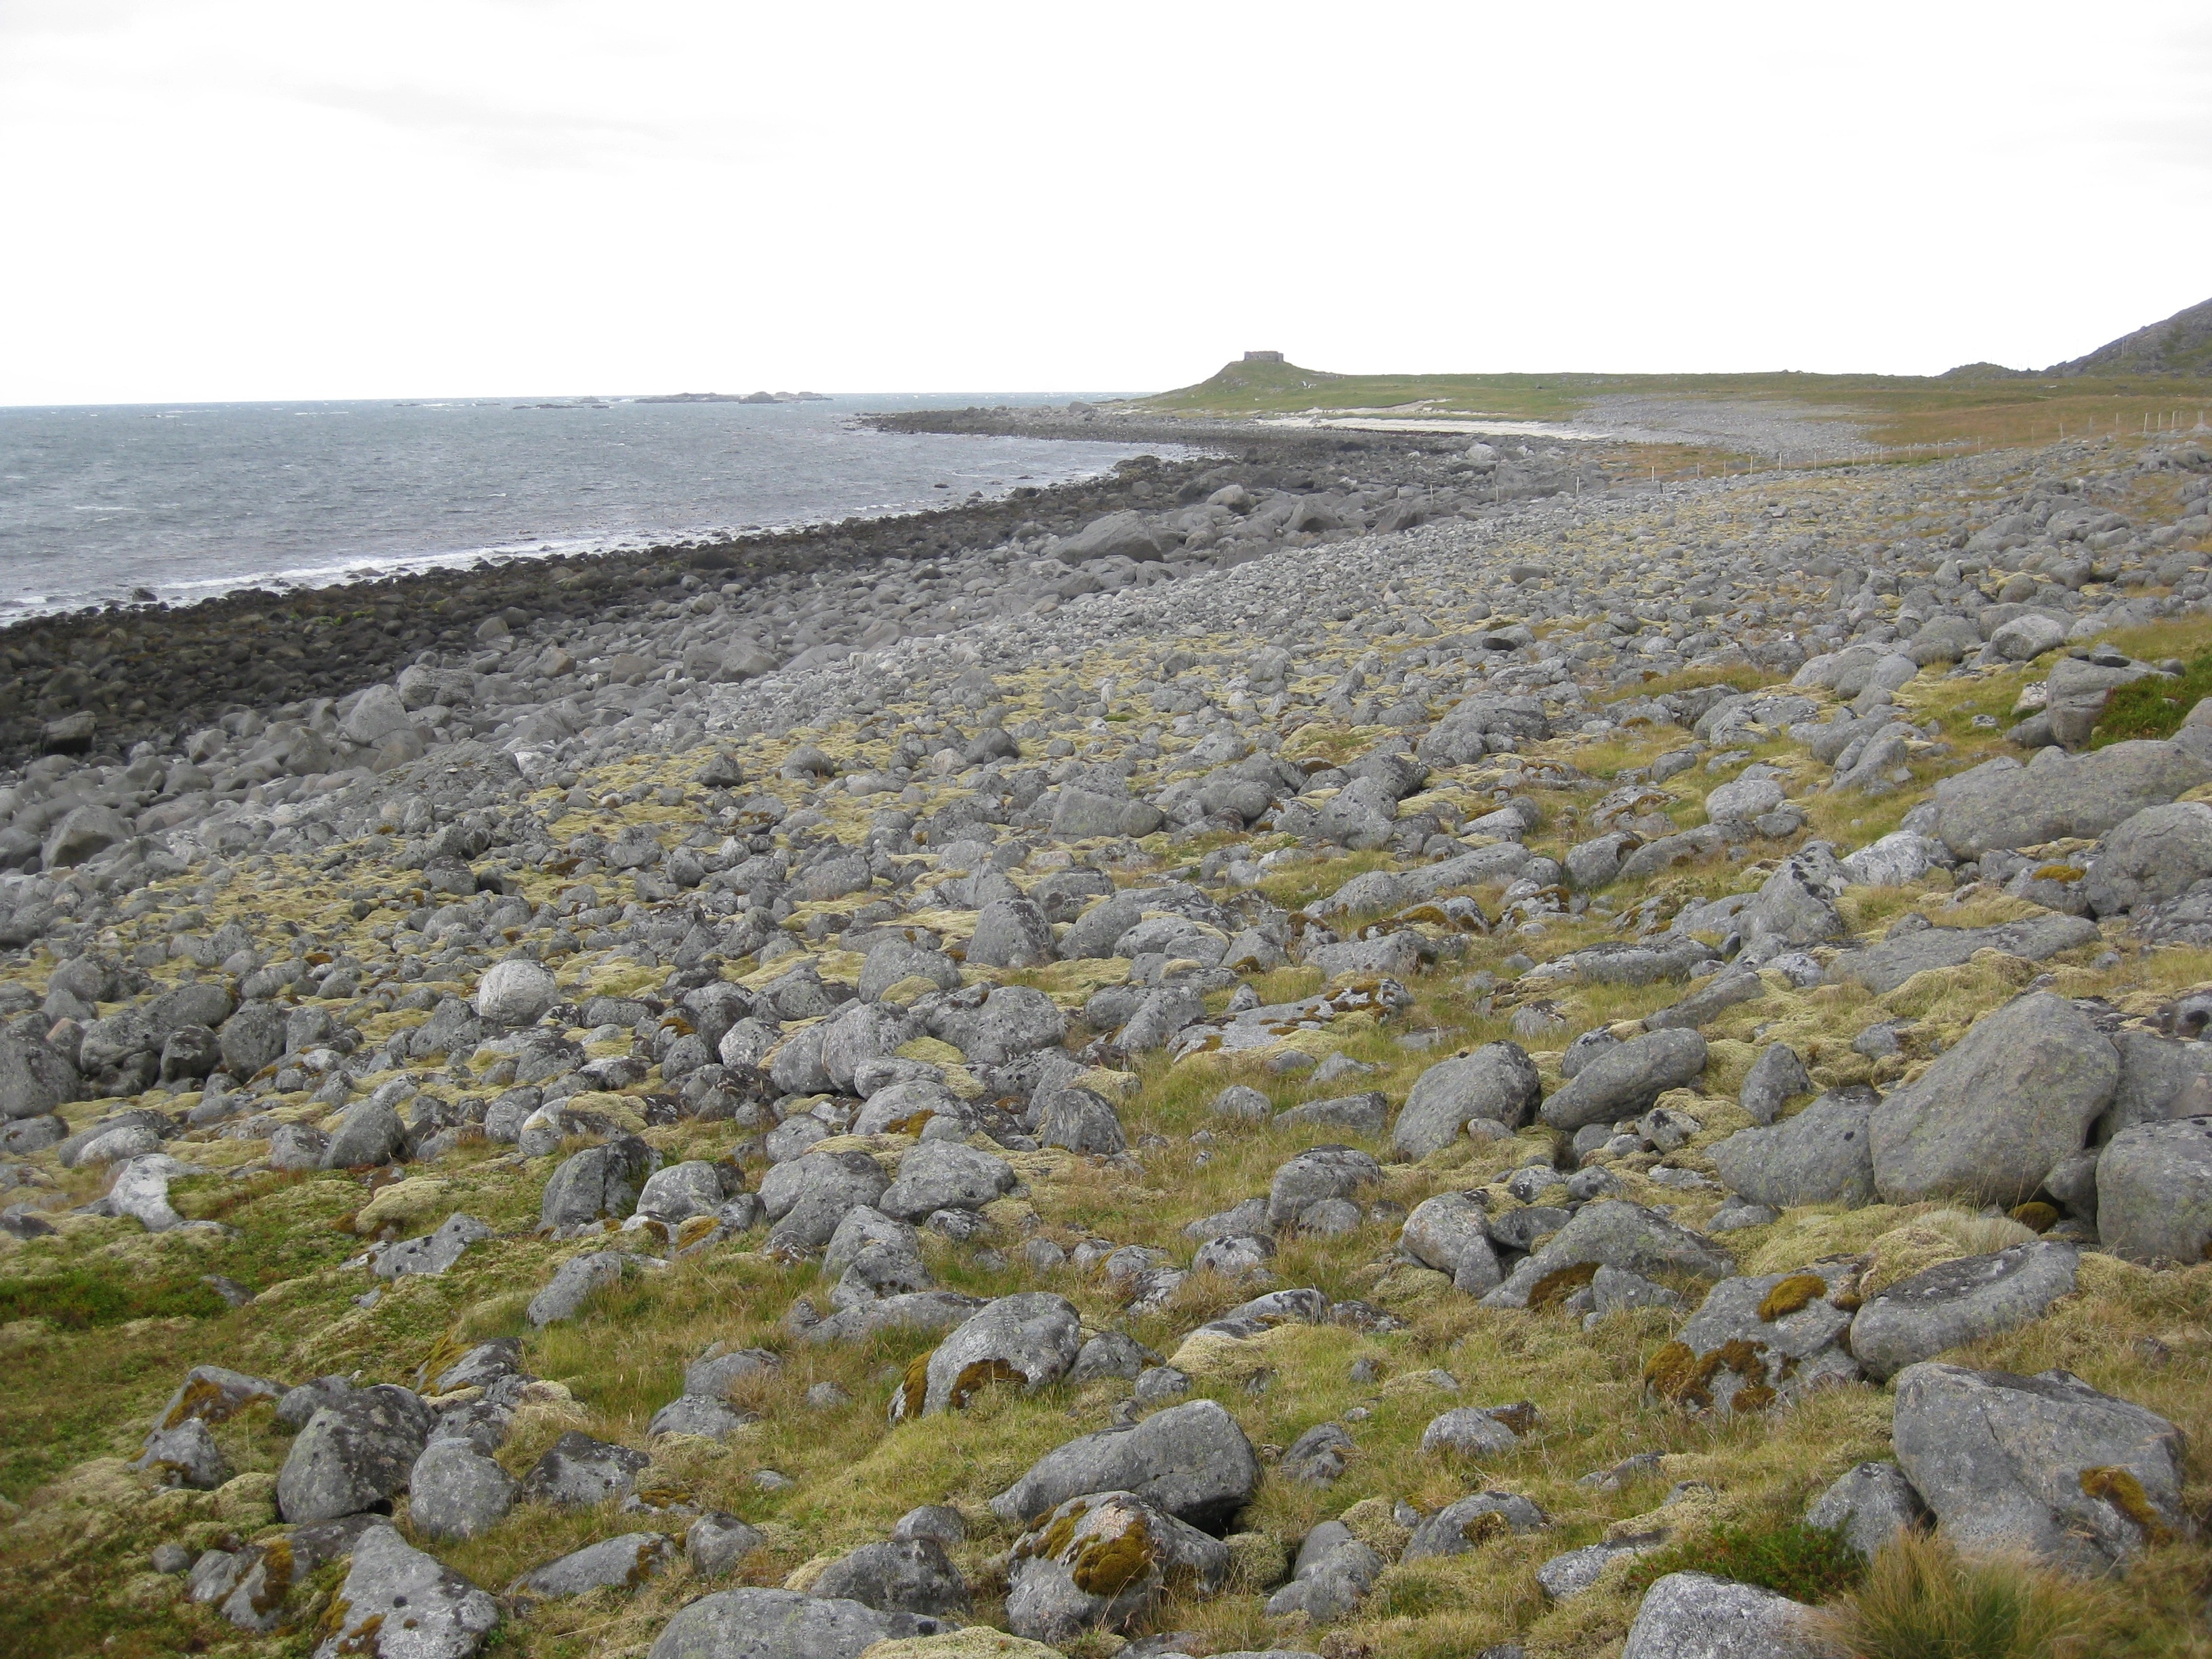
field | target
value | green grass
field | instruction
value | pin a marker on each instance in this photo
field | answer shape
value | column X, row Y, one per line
column 1925, row 1600
column 2153, row 708
column 1812, row 1564
column 78, row 1300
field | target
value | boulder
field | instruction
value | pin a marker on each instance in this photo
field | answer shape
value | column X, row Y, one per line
column 1316, row 1176
column 946, row 1175
column 1992, row 1115
column 2154, row 1192
column 577, row 1471
column 1467, row 1431
column 718, row 1540
column 455, row 1490
column 34, row 1079
column 1192, row 1460
column 432, row 1253
column 392, row 1590
column 1777, row 1078
column 1031, row 1339
column 1450, row 1233
column 1104, row 1560
column 1117, row 535
column 1081, row 1121
column 1011, row 932
column 516, row 992
column 807, row 1196
column 1692, row 1615
column 1954, row 1302
column 2158, row 854
column 572, row 1286
column 1822, row 1155
column 1995, row 806
column 185, row 1456
column 906, row 1575
column 1498, row 1081
column 1610, row 1233
column 621, row 1563
column 599, row 1183
column 1870, row 1506
column 1757, row 1343
column 1466, row 1523
column 369, row 1134
column 780, row 1624
column 355, row 1453
column 1625, row 1082
column 2045, row 1464
column 1882, row 967
column 1332, row 1574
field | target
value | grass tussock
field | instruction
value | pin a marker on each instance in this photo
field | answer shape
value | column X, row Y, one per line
column 1921, row 1599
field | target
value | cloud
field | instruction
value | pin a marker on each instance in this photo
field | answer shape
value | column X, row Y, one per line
column 532, row 138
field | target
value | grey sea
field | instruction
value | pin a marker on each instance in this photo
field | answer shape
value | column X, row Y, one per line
column 184, row 500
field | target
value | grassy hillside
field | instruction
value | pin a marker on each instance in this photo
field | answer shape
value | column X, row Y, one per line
column 1968, row 409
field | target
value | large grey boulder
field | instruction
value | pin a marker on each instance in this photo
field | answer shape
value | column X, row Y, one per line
column 1465, row 1522
column 1192, row 1460
column 1990, row 1117
column 623, row 1563
column 355, row 1452
column 2159, row 854
column 1692, row 1615
column 599, row 1183
column 863, row 1032
column 1497, row 1081
column 1001, row 1025
column 2045, row 1464
column 34, row 1079
column 1031, row 1338
column 1117, row 535
column 1997, row 804
column 185, row 1456
column 808, row 1196
column 1011, row 932
column 455, row 1490
column 2075, row 694
column 1777, row 1078
column 1796, row 905
column 718, row 1540
column 577, row 1471
column 1104, row 1560
column 1610, row 1233
column 1757, row 1343
column 1331, row 1575
column 780, row 1624
column 946, row 1175
column 573, row 1284
column 515, row 992
column 1869, row 1504
column 433, row 1252
column 1623, row 1082
column 2154, row 1192
column 1882, row 967
column 1080, row 1120
column 369, row 1134
column 677, row 1192
column 1086, row 815
column 1315, row 1176
column 1467, row 1431
column 1822, row 1155
column 1450, row 1233
column 916, row 1311
column 1955, row 1302
column 2161, row 1079
column 400, row 1603
column 901, row 1575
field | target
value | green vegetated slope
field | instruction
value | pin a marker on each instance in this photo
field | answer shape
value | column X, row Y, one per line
column 1979, row 405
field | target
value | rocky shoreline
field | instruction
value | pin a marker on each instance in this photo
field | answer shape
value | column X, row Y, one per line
column 1363, row 1046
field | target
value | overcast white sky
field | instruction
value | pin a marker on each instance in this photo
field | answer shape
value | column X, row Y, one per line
column 212, row 199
